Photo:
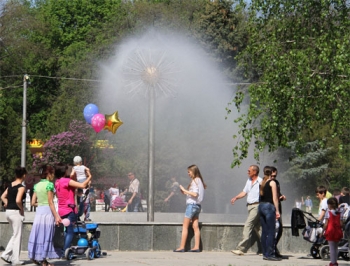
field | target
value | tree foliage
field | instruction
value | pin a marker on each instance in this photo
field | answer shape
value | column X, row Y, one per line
column 297, row 61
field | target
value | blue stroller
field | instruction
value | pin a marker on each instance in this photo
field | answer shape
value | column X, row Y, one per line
column 88, row 235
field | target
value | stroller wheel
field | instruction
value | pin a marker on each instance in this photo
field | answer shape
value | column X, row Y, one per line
column 345, row 255
column 98, row 251
column 324, row 253
column 90, row 254
column 68, row 254
column 314, row 251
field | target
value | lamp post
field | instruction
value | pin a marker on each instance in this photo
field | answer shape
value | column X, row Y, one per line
column 150, row 72
column 24, row 121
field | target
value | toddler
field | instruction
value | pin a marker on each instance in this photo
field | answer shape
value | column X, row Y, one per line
column 332, row 229
column 81, row 173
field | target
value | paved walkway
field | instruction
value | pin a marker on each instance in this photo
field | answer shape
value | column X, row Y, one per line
column 168, row 258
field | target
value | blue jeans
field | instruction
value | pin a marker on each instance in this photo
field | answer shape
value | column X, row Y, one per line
column 267, row 213
column 69, row 234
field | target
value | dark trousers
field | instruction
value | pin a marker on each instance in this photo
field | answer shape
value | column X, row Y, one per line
column 107, row 207
column 135, row 204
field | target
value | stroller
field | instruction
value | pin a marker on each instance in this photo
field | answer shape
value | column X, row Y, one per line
column 312, row 232
column 88, row 235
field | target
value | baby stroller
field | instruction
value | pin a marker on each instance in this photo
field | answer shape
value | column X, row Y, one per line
column 118, row 204
column 313, row 233
column 343, row 247
column 88, row 235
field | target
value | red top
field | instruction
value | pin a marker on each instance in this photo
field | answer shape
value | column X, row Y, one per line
column 333, row 231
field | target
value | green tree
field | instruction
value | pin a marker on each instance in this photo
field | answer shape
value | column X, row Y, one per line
column 297, row 60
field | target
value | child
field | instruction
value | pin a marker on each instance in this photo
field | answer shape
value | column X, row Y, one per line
column 194, row 196
column 321, row 192
column 81, row 173
column 332, row 229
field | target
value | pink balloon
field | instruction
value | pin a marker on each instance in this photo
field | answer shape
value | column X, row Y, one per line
column 98, row 122
column 65, row 222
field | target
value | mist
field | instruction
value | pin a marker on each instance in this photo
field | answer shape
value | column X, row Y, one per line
column 190, row 124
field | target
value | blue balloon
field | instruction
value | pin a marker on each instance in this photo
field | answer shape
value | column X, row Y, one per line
column 89, row 111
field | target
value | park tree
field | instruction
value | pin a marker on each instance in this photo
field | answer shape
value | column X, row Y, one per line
column 221, row 31
column 297, row 61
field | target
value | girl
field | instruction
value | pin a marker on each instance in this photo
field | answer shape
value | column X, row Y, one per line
column 40, row 243
column 332, row 229
column 12, row 199
column 194, row 196
column 269, row 213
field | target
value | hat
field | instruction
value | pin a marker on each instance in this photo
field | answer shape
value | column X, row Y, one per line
column 77, row 159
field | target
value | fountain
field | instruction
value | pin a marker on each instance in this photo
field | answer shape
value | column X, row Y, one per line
column 165, row 87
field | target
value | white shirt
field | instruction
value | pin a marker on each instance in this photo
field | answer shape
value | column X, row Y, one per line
column 324, row 207
column 252, row 190
column 197, row 187
column 80, row 171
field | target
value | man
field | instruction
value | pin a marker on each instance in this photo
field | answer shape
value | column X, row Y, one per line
column 252, row 224
column 308, row 204
column 134, row 201
column 174, row 198
column 281, row 197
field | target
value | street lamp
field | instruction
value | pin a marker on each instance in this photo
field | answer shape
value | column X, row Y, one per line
column 150, row 72
column 24, row 121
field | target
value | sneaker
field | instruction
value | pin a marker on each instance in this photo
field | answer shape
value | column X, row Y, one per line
column 272, row 258
column 19, row 263
column 237, row 252
column 87, row 220
column 7, row 261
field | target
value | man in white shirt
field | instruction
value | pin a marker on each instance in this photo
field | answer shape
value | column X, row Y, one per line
column 252, row 224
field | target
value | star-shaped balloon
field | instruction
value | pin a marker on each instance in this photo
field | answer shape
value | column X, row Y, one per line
column 112, row 122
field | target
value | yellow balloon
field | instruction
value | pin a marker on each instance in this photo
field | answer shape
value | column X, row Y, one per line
column 112, row 122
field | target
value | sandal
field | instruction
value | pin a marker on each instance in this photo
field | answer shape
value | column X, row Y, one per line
column 46, row 263
column 35, row 262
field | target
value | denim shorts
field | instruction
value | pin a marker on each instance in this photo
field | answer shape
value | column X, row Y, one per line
column 192, row 211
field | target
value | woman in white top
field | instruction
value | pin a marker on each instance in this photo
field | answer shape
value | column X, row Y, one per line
column 194, row 196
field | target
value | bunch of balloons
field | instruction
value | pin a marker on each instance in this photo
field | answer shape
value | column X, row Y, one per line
column 99, row 121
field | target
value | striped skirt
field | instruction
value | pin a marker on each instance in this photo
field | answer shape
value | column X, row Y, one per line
column 40, row 243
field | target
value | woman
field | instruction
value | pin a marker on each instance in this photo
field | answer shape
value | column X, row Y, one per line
column 40, row 243
column 13, row 202
column 65, row 191
column 269, row 213
column 194, row 196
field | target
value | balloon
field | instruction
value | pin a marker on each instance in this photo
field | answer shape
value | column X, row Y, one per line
column 98, row 122
column 89, row 111
column 66, row 222
column 112, row 122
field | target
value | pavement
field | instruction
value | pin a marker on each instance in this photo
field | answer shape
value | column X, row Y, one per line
column 169, row 258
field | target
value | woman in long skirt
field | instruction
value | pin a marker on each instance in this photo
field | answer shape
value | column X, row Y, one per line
column 40, row 243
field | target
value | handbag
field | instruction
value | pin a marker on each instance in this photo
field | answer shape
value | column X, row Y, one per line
column 58, row 237
column 310, row 234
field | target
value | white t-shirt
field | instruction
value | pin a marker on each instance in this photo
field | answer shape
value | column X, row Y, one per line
column 80, row 171
column 197, row 187
column 324, row 207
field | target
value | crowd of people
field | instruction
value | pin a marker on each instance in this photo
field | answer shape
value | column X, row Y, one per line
column 263, row 196
column 264, row 208
column 71, row 188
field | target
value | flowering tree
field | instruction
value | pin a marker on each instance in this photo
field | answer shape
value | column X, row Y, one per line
column 64, row 146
